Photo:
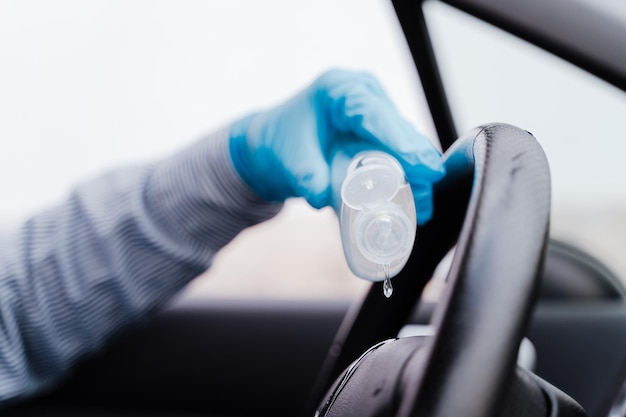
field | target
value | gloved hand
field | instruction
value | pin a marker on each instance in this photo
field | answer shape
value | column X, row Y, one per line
column 288, row 151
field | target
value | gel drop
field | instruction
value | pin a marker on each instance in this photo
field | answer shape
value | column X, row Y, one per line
column 377, row 217
column 387, row 287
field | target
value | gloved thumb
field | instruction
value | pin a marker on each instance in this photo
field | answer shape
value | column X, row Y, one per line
column 311, row 172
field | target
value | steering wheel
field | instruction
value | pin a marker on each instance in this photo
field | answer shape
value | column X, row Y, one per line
column 494, row 204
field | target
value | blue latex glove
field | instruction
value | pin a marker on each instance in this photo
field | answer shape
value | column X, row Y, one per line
column 288, row 151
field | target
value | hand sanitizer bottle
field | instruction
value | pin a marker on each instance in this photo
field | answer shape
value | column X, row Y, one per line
column 377, row 217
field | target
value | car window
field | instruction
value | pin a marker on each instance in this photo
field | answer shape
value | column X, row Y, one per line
column 492, row 76
column 88, row 86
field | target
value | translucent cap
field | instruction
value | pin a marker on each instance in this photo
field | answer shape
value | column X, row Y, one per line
column 377, row 215
column 370, row 185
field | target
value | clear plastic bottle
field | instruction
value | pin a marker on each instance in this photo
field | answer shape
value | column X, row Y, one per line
column 377, row 216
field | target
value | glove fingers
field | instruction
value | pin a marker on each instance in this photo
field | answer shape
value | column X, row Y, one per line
column 311, row 173
column 288, row 154
column 358, row 104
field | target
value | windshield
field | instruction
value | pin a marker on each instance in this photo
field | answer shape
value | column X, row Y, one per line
column 491, row 76
column 88, row 86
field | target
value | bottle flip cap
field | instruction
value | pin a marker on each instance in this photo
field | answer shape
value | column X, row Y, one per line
column 381, row 229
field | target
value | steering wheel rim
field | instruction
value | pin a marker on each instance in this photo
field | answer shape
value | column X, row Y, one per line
column 495, row 204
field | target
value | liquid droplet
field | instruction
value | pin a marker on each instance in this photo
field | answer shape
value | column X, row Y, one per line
column 387, row 287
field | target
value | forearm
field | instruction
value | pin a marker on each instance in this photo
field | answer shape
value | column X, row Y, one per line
column 118, row 248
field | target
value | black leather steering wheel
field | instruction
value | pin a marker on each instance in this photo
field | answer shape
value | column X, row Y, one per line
column 494, row 204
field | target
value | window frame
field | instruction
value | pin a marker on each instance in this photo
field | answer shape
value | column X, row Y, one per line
column 521, row 19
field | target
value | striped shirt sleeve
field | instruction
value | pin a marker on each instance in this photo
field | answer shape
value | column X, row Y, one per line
column 117, row 249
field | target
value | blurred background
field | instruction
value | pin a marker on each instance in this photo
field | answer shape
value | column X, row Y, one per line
column 89, row 86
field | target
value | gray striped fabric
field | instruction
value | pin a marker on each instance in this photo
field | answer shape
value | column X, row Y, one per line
column 118, row 248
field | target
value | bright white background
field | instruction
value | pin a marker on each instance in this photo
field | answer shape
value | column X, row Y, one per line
column 577, row 118
column 88, row 86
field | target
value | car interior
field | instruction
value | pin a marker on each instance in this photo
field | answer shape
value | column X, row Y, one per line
column 528, row 322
